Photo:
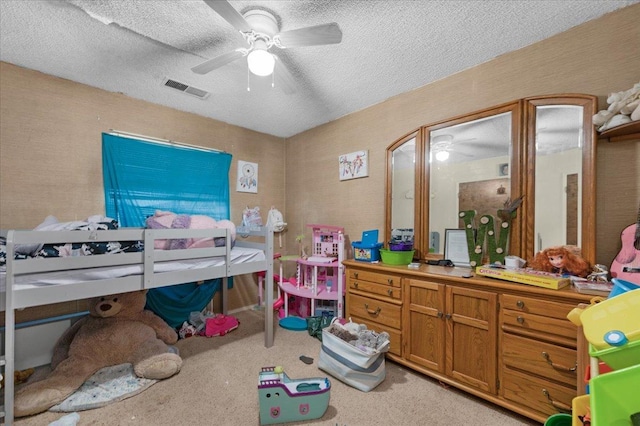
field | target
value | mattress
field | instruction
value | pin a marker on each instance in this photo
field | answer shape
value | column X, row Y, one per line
column 239, row 255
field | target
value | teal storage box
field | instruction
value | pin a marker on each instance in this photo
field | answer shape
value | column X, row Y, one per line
column 367, row 250
column 283, row 399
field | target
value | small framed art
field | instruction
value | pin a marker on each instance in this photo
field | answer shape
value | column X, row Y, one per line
column 455, row 247
column 354, row 165
column 247, row 177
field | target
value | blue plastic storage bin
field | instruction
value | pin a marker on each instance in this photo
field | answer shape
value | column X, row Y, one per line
column 621, row 286
column 367, row 250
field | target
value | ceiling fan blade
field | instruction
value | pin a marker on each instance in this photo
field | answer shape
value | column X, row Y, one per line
column 283, row 77
column 454, row 152
column 218, row 61
column 459, row 141
column 230, row 14
column 310, row 36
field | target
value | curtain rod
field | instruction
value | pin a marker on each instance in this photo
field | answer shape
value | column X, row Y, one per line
column 161, row 141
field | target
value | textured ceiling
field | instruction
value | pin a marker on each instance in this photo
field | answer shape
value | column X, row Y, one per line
column 388, row 47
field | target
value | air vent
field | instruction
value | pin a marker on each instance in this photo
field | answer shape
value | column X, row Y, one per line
column 193, row 91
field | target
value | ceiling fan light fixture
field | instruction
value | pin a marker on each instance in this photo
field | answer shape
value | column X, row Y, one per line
column 442, row 155
column 260, row 61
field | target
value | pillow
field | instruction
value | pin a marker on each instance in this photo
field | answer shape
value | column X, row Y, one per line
column 31, row 249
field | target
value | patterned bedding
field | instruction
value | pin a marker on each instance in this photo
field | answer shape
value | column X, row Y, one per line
column 160, row 220
column 63, row 249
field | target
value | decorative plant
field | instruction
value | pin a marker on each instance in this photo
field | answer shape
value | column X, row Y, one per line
column 299, row 239
column 497, row 248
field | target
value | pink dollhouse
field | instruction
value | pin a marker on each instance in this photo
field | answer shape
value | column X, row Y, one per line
column 319, row 277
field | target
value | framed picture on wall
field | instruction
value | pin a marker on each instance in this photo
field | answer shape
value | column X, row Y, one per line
column 354, row 165
column 247, row 177
column 455, row 247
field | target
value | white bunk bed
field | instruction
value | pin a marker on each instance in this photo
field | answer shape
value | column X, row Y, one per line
column 40, row 281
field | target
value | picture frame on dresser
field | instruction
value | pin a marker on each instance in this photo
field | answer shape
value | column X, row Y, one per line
column 455, row 247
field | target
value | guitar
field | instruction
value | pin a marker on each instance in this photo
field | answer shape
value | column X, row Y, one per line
column 626, row 265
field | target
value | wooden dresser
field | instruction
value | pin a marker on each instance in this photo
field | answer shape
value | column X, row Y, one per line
column 508, row 343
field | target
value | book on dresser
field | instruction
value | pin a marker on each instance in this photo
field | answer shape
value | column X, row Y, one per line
column 596, row 288
column 524, row 276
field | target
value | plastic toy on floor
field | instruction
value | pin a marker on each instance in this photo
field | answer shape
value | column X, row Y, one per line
column 287, row 400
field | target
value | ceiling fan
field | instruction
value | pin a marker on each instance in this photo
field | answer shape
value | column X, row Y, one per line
column 260, row 30
column 443, row 145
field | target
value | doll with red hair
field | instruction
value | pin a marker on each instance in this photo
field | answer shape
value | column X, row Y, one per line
column 566, row 260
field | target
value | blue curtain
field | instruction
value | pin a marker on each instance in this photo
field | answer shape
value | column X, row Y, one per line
column 141, row 177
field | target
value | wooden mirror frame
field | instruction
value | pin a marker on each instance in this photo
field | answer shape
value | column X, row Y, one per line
column 588, row 207
column 418, row 184
column 522, row 166
column 514, row 108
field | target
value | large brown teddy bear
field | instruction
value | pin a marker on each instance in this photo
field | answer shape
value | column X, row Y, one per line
column 117, row 330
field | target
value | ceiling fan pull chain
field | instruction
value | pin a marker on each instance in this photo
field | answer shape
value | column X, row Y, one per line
column 248, row 79
column 273, row 78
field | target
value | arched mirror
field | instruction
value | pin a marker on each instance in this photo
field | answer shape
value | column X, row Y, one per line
column 403, row 189
column 561, row 162
column 541, row 148
column 471, row 167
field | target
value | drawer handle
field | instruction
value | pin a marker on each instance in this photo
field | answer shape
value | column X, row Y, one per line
column 520, row 304
column 558, row 405
column 390, row 292
column 439, row 314
column 390, row 281
column 520, row 320
column 448, row 316
column 355, row 285
column 355, row 275
column 371, row 312
column 558, row 366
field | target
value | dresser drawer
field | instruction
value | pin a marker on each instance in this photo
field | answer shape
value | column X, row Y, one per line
column 395, row 337
column 518, row 321
column 383, row 313
column 536, row 394
column 536, row 306
column 542, row 359
column 375, row 288
column 374, row 277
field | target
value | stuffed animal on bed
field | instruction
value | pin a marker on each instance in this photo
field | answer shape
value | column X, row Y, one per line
column 168, row 220
column 117, row 330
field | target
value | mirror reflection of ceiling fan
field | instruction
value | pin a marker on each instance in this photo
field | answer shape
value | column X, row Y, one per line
column 260, row 29
column 442, row 146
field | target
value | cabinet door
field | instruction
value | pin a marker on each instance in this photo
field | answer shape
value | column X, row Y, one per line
column 424, row 331
column 471, row 351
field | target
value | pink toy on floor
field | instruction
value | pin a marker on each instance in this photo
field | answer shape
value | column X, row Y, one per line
column 220, row 325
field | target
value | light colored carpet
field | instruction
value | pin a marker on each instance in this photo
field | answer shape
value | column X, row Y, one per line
column 219, row 379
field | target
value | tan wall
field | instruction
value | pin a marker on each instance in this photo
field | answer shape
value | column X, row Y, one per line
column 599, row 57
column 50, row 147
column 51, row 158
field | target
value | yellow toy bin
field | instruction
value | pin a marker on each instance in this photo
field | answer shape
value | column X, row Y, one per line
column 580, row 407
column 620, row 313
